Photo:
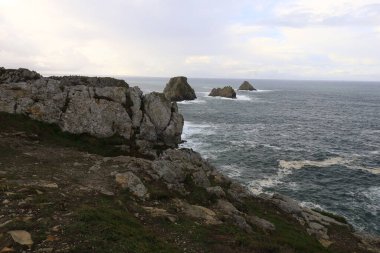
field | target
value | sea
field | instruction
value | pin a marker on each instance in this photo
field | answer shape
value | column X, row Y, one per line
column 315, row 141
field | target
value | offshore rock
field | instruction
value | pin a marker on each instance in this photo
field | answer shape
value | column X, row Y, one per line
column 227, row 92
column 99, row 106
column 178, row 89
column 246, row 86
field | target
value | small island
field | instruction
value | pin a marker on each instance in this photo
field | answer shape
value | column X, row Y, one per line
column 227, row 92
column 247, row 86
column 178, row 89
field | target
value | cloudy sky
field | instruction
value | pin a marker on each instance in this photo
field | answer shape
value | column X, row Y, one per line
column 287, row 39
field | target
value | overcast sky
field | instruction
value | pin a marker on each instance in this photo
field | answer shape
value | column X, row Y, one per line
column 287, row 39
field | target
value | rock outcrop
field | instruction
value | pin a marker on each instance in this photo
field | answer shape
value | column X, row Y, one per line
column 227, row 92
column 178, row 89
column 102, row 107
column 246, row 86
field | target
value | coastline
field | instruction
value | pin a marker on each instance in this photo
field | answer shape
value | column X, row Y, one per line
column 158, row 188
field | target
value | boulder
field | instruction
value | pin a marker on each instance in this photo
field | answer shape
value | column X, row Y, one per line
column 227, row 92
column 178, row 89
column 130, row 181
column 99, row 106
column 261, row 223
column 246, row 86
column 17, row 75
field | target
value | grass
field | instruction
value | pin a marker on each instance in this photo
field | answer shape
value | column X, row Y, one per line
column 107, row 228
column 52, row 134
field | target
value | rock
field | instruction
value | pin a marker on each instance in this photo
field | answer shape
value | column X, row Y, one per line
column 128, row 180
column 22, row 237
column 161, row 120
column 17, row 75
column 49, row 185
column 241, row 223
column 102, row 107
column 286, row 204
column 261, row 223
column 168, row 171
column 158, row 212
column 198, row 212
column 177, row 89
column 200, row 179
column 217, row 191
column 227, row 92
column 238, row 191
column 226, row 207
column 246, row 86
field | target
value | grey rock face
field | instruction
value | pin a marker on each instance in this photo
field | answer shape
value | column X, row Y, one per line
column 261, row 223
column 246, row 86
column 178, row 89
column 17, row 75
column 227, row 92
column 101, row 107
column 130, row 181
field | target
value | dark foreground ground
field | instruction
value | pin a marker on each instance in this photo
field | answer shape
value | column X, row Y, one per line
column 58, row 188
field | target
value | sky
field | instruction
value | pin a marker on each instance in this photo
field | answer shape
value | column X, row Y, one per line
column 272, row 39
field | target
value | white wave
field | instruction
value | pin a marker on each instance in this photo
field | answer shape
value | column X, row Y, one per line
column 264, row 90
column 231, row 170
column 243, row 98
column 325, row 163
column 375, row 171
column 189, row 102
column 238, row 98
column 311, row 205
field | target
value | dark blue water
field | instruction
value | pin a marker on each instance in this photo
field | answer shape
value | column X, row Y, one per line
column 318, row 142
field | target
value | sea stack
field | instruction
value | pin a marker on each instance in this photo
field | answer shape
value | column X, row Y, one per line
column 178, row 89
column 246, row 86
column 227, row 92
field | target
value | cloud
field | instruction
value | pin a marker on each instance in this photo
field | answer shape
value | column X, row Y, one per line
column 303, row 39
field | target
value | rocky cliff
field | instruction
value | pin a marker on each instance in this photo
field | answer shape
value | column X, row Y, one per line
column 99, row 106
column 227, row 92
column 178, row 89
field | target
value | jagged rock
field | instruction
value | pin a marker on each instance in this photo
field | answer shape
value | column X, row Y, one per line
column 226, row 207
column 217, row 191
column 246, row 86
column 238, row 191
column 198, row 212
column 200, row 179
column 241, row 223
column 227, row 92
column 169, row 171
column 178, row 89
column 22, row 237
column 261, row 223
column 286, row 204
column 128, row 180
column 135, row 96
column 17, row 75
column 99, row 106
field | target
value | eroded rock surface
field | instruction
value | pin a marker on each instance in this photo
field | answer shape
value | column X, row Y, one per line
column 227, row 92
column 246, row 86
column 178, row 89
column 99, row 106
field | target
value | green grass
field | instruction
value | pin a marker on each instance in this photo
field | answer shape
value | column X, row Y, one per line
column 52, row 134
column 106, row 228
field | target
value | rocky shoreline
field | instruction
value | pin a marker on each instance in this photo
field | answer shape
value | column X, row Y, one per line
column 54, row 182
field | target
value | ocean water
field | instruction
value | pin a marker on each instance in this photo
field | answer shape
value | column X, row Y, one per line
column 316, row 141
